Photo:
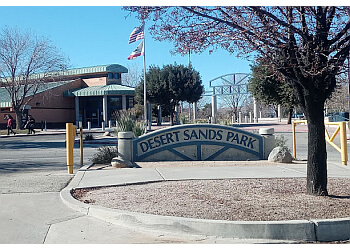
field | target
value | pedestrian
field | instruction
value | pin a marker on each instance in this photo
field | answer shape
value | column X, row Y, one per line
column 30, row 124
column 9, row 119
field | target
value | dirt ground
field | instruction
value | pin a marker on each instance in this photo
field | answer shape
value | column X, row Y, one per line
column 229, row 199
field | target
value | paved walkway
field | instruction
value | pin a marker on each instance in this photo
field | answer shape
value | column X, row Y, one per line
column 191, row 230
column 92, row 224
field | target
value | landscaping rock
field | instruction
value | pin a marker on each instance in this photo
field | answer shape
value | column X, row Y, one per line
column 120, row 163
column 280, row 154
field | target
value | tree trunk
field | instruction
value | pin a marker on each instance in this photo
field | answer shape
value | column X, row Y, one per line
column 317, row 154
column 18, row 119
column 171, row 117
column 290, row 116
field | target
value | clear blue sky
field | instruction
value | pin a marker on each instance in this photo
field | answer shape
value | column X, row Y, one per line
column 99, row 35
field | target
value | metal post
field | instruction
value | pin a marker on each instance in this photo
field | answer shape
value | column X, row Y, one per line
column 144, row 84
column 103, row 126
column 69, row 146
column 159, row 120
column 214, row 109
column 343, row 143
column 149, row 116
column 294, row 141
column 81, row 147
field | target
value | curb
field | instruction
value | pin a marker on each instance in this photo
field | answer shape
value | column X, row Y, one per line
column 322, row 230
column 67, row 197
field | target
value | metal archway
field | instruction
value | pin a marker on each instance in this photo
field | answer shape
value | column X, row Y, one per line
column 234, row 83
column 230, row 84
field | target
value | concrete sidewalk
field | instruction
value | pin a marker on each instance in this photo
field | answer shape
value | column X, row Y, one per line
column 212, row 231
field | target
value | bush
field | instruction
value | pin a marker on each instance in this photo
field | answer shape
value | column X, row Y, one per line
column 183, row 119
column 280, row 141
column 226, row 122
column 104, row 155
column 89, row 137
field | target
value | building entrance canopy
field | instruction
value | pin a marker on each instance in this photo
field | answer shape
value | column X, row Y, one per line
column 102, row 90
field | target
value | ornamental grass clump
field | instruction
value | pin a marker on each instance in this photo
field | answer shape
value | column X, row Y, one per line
column 104, row 155
column 139, row 128
column 126, row 121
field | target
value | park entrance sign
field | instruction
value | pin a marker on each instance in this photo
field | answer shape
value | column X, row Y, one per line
column 199, row 142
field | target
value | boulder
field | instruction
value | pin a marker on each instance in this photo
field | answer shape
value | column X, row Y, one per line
column 118, row 162
column 280, row 154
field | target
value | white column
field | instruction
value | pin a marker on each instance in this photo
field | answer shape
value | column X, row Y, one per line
column 256, row 109
column 77, row 111
column 194, row 111
column 104, row 108
column 214, row 109
column 124, row 102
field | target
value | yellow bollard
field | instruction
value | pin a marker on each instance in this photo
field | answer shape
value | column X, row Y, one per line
column 70, row 146
column 294, row 141
column 343, row 143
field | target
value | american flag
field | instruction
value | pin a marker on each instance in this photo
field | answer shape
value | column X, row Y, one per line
column 137, row 34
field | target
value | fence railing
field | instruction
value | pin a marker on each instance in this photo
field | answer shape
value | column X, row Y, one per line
column 341, row 127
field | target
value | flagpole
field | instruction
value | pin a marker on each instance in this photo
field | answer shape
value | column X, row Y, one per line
column 144, row 82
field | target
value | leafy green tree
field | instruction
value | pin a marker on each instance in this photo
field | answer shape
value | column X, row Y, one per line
column 268, row 86
column 170, row 85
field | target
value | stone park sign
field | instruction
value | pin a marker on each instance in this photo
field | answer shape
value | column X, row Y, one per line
column 201, row 142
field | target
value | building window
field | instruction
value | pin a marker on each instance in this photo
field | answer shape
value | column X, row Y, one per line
column 116, row 76
column 110, row 75
column 130, row 102
column 114, row 102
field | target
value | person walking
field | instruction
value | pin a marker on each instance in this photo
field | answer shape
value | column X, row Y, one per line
column 9, row 119
column 30, row 124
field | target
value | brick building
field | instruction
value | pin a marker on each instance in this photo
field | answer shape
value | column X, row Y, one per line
column 86, row 94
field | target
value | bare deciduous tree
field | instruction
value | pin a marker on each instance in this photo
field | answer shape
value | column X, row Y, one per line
column 133, row 77
column 27, row 63
column 307, row 45
column 339, row 101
